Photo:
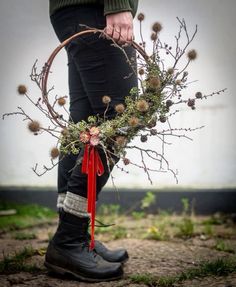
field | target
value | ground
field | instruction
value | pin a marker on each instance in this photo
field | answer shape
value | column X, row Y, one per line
column 165, row 249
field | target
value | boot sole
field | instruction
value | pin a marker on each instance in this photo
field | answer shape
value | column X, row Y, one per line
column 62, row 271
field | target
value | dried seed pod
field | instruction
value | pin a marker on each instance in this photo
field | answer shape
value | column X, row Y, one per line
column 106, row 100
column 22, row 89
column 143, row 138
column 54, row 152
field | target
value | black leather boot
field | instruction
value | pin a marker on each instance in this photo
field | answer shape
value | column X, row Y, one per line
column 68, row 252
column 116, row 255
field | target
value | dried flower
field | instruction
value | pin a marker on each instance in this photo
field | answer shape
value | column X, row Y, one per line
column 126, row 161
column 84, row 137
column 157, row 27
column 143, row 138
column 121, row 140
column 34, row 126
column 192, row 55
column 198, row 95
column 106, row 100
column 54, row 152
column 141, row 71
column 94, row 131
column 154, row 82
column 142, row 105
column 133, row 121
column 162, row 119
column 94, row 140
column 154, row 36
column 170, row 71
column 22, row 89
column 61, row 101
column 119, row 108
column 141, row 17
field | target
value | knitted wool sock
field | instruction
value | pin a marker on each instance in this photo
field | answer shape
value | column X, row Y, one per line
column 74, row 204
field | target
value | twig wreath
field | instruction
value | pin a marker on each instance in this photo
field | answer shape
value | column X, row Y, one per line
column 140, row 115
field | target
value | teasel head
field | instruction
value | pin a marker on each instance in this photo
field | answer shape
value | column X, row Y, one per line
column 54, row 152
column 142, row 105
column 61, row 101
column 120, row 108
column 133, row 121
column 170, row 71
column 34, row 126
column 22, row 90
column 192, row 55
column 157, row 27
column 154, row 82
column 106, row 100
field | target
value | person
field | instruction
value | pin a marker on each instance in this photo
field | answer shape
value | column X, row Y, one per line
column 96, row 68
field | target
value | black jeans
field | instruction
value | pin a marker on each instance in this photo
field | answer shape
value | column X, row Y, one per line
column 96, row 68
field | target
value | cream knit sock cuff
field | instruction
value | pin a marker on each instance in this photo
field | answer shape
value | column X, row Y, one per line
column 75, row 204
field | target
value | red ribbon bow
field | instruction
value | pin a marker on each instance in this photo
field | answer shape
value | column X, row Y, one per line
column 92, row 165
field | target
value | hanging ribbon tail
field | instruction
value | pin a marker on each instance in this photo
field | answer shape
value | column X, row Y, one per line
column 92, row 165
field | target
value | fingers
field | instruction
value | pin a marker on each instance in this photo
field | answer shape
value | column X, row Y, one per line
column 120, row 27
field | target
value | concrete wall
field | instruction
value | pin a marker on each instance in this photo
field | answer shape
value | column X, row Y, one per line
column 207, row 161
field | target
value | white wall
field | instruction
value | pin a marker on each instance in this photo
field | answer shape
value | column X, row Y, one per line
column 208, row 161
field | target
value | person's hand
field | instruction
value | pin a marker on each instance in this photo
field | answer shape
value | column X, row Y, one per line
column 119, row 26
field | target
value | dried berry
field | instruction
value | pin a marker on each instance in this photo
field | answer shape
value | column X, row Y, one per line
column 169, row 103
column 191, row 102
column 198, row 95
column 141, row 17
column 126, row 161
column 54, row 152
column 153, row 132
column 162, row 119
column 61, row 101
column 143, row 138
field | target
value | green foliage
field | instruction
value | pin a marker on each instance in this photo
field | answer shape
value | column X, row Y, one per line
column 186, row 227
column 221, row 245
column 157, row 233
column 24, row 235
column 208, row 229
column 185, row 205
column 148, row 200
column 16, row 263
column 26, row 215
column 138, row 215
column 218, row 267
column 109, row 209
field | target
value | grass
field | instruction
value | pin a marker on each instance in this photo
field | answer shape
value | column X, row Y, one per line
column 26, row 215
column 218, row 267
column 24, row 236
column 16, row 263
column 221, row 245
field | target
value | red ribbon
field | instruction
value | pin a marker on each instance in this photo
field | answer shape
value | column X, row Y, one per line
column 92, row 165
